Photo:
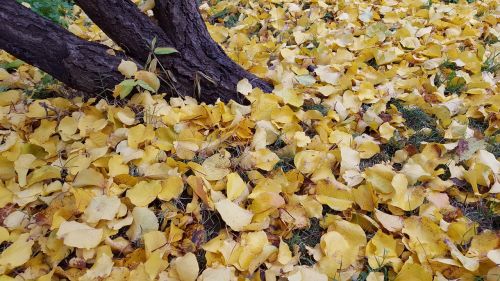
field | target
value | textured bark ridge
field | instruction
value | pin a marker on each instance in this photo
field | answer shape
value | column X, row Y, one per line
column 200, row 69
column 80, row 64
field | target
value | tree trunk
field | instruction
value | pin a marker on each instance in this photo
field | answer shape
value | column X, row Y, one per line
column 184, row 26
column 200, row 69
column 80, row 64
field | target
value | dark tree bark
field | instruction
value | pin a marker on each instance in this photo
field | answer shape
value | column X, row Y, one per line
column 201, row 66
column 80, row 64
column 187, row 31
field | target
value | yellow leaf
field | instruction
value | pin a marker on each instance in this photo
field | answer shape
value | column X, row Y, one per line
column 307, row 161
column 389, row 222
column 4, row 234
column 235, row 186
column 469, row 263
column 144, row 193
column 171, row 188
column 18, row 253
column 144, row 221
column 301, row 139
column 244, row 87
column 44, row 173
column 102, row 207
column 284, row 253
column 22, row 165
column 217, row 166
column 217, row 274
column 265, row 159
column 88, row 177
column 413, row 272
column 154, row 241
column 327, row 75
column 425, row 238
column 139, row 134
column 117, row 167
column 154, row 265
column 494, row 256
column 79, row 235
column 149, row 78
column 187, row 267
column 100, row 269
column 233, row 215
column 350, row 159
column 380, row 177
column 382, row 250
column 386, row 131
column 127, row 68
column 289, row 96
column 390, row 55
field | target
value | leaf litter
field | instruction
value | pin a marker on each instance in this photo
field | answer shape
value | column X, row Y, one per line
column 375, row 158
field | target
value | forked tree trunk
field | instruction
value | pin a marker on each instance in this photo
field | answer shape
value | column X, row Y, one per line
column 78, row 63
column 201, row 66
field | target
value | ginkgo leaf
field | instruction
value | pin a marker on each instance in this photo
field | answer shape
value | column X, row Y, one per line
column 235, row 186
column 79, row 235
column 102, row 208
column 88, row 177
column 244, row 87
column 367, row 159
column 144, row 193
column 187, row 267
column 18, row 253
column 233, row 215
column 150, row 79
column 127, row 68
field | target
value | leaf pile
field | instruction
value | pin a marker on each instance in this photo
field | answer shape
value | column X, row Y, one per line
column 375, row 158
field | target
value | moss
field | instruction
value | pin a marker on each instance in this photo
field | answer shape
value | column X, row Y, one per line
column 432, row 135
column 54, row 10
column 415, row 118
column 394, row 144
column 449, row 64
column 310, row 236
column 375, row 159
column 318, row 107
column 478, row 124
column 493, row 148
column 454, row 84
column 286, row 164
column 43, row 89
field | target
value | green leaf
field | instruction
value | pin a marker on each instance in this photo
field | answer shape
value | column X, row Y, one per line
column 165, row 51
column 12, row 65
column 126, row 87
column 145, row 86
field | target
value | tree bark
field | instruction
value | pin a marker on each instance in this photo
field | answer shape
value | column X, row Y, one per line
column 80, row 64
column 187, row 31
column 200, row 69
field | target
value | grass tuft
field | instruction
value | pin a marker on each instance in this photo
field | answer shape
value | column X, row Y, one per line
column 54, row 10
column 310, row 236
column 491, row 64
